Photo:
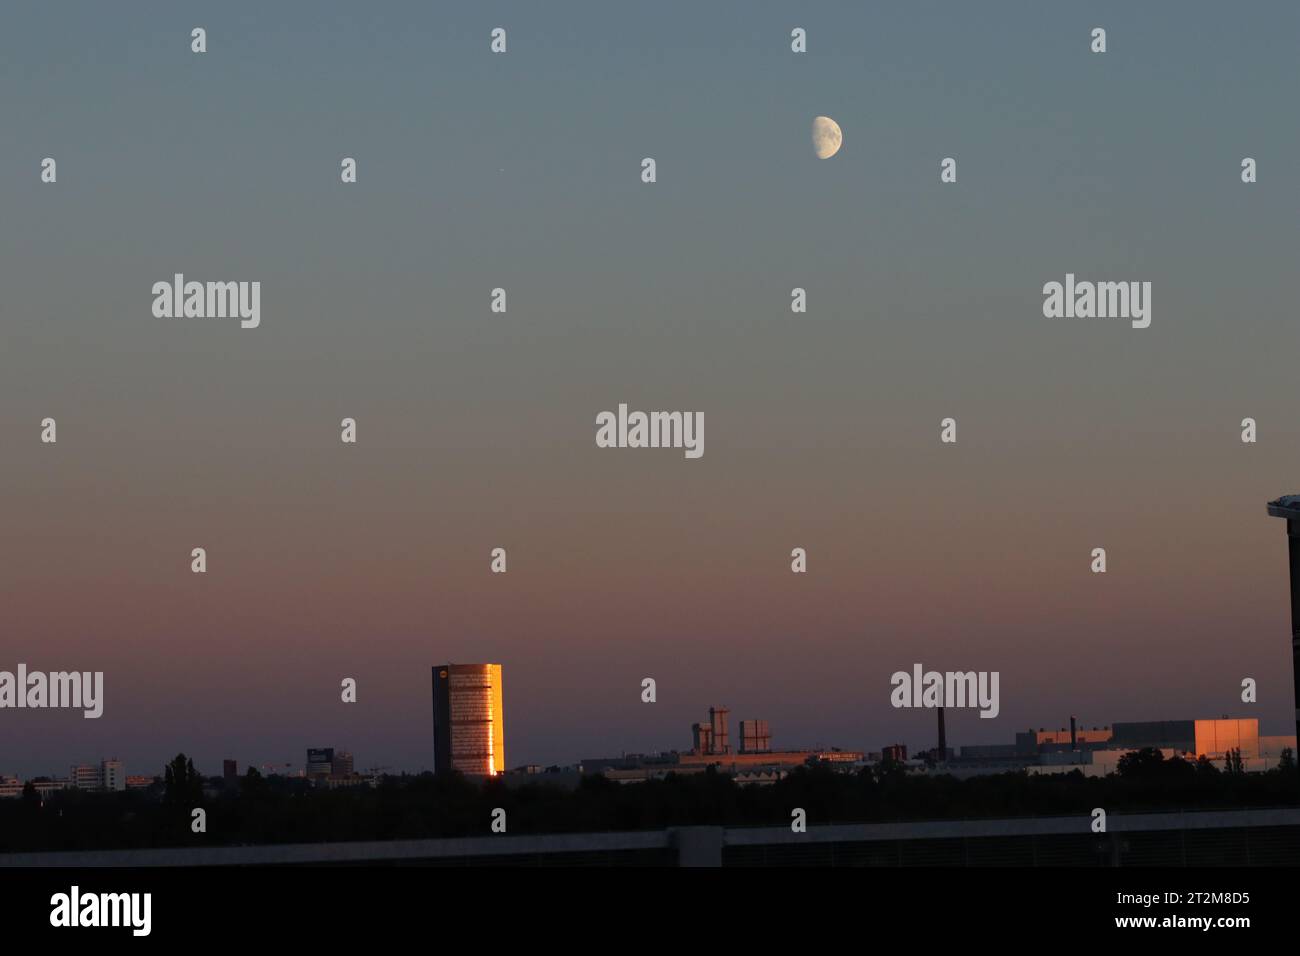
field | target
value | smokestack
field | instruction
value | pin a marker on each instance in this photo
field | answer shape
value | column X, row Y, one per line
column 943, row 738
column 1074, row 735
column 1288, row 507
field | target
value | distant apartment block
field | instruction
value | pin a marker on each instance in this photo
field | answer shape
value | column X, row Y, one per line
column 13, row 787
column 107, row 775
column 84, row 776
column 320, row 762
column 112, row 775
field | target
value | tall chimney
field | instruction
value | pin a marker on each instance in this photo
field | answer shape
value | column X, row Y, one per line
column 1288, row 507
column 1074, row 734
column 943, row 739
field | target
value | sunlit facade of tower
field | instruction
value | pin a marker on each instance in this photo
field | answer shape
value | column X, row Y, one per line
column 468, row 723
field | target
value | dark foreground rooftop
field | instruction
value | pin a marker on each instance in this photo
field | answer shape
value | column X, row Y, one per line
column 1268, row 837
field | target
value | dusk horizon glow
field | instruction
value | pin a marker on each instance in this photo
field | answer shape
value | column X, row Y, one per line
column 478, row 430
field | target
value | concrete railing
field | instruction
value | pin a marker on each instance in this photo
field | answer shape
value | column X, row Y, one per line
column 687, row 846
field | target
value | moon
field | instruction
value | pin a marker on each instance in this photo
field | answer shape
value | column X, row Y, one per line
column 826, row 137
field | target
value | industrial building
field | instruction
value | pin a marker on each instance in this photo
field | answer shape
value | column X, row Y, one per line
column 755, row 737
column 1209, row 738
column 1097, row 751
column 754, row 763
column 711, row 738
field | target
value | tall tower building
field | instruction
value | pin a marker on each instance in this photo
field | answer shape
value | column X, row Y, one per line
column 468, row 726
column 112, row 775
column 1288, row 507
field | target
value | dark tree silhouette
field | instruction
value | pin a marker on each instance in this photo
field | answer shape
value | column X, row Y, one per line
column 890, row 769
column 1141, row 763
column 1286, row 759
column 1232, row 761
column 183, row 787
column 276, row 809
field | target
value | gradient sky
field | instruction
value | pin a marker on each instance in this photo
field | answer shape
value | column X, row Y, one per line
column 477, row 430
